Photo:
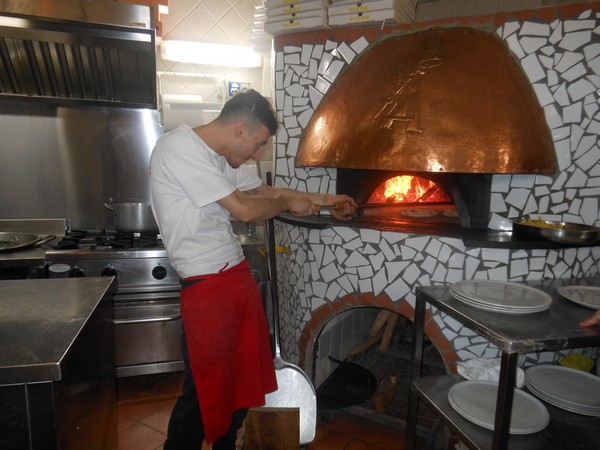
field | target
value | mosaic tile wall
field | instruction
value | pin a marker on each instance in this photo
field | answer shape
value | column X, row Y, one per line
column 560, row 54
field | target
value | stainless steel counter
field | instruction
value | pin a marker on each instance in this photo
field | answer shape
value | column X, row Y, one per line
column 32, row 256
column 39, row 321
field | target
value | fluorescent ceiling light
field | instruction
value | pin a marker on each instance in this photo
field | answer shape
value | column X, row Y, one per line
column 212, row 54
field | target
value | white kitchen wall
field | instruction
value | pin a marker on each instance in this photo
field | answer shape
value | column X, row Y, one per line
column 230, row 22
column 213, row 21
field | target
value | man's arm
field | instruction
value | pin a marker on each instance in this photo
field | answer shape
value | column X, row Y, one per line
column 266, row 201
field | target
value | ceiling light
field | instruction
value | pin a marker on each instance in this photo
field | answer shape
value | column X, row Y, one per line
column 212, row 54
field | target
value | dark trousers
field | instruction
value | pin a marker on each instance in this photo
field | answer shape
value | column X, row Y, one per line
column 186, row 431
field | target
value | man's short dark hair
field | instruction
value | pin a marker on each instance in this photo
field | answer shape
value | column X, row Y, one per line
column 250, row 105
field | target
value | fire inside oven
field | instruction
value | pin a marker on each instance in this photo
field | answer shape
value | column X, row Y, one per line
column 410, row 197
column 409, row 189
column 440, row 198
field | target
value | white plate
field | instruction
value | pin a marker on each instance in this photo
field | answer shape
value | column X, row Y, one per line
column 494, row 295
column 476, row 302
column 582, row 295
column 476, row 401
column 565, row 387
column 563, row 405
column 502, row 310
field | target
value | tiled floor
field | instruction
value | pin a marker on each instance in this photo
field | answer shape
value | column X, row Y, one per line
column 144, row 406
column 145, row 403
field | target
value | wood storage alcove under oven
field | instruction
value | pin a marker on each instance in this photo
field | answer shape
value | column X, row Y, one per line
column 362, row 361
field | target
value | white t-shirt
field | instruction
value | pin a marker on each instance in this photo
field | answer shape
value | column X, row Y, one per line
column 187, row 178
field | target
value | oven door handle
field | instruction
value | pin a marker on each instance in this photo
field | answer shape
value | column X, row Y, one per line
column 148, row 319
column 146, row 313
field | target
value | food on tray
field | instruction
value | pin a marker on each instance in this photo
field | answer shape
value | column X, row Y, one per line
column 560, row 232
column 544, row 224
column 450, row 213
column 419, row 213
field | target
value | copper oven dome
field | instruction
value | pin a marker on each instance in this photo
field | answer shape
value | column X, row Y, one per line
column 440, row 100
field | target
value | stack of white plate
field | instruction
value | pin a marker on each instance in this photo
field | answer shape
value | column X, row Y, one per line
column 476, row 401
column 565, row 388
column 588, row 296
column 501, row 296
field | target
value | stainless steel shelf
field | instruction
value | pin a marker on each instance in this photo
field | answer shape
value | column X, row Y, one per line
column 566, row 430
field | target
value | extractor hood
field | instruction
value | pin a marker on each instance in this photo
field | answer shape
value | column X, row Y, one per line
column 98, row 52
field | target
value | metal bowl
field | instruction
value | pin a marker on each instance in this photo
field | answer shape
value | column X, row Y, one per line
column 559, row 232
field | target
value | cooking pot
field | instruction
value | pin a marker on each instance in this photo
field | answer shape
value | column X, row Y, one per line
column 133, row 217
column 10, row 241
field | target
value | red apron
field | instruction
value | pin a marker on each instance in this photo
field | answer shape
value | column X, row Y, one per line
column 229, row 345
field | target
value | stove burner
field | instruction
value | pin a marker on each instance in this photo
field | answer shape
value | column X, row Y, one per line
column 96, row 240
column 133, row 240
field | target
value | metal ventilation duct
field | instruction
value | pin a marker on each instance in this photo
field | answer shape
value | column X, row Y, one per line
column 97, row 52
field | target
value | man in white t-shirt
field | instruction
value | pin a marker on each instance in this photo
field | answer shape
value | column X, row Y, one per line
column 199, row 181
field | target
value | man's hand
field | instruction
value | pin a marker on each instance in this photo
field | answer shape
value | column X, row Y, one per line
column 343, row 206
column 593, row 320
column 301, row 206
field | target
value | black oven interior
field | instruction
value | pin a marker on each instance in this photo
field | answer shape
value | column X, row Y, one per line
column 470, row 192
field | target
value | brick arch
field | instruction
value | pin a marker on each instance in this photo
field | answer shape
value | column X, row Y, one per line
column 325, row 313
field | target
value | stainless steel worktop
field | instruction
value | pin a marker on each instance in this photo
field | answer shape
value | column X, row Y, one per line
column 39, row 321
column 32, row 256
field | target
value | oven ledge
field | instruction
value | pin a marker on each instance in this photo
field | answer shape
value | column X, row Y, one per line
column 470, row 237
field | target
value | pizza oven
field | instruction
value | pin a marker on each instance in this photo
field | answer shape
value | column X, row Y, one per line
column 441, row 111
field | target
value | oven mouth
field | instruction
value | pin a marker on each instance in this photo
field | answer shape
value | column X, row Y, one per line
column 461, row 200
column 408, row 189
column 409, row 198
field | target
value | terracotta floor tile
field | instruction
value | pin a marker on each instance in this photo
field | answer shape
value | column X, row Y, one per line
column 169, row 385
column 347, row 423
column 382, row 436
column 140, row 408
column 124, row 422
column 126, row 388
column 160, row 419
column 362, row 445
column 145, row 405
column 140, row 437
column 329, row 439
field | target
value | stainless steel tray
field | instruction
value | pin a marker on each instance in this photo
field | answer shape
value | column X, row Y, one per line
column 555, row 231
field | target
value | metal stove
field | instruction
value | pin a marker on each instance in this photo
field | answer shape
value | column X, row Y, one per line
column 146, row 307
column 139, row 262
